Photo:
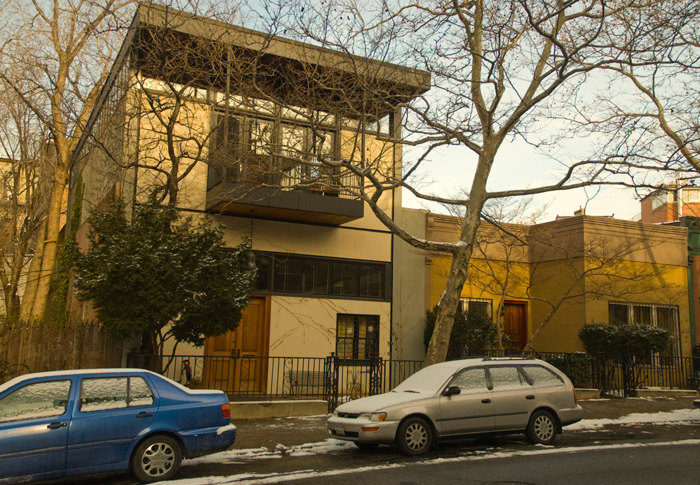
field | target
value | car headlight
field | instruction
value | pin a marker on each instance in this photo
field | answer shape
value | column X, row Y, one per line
column 373, row 416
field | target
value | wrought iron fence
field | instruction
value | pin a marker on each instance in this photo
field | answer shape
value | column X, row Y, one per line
column 337, row 380
column 267, row 378
column 616, row 378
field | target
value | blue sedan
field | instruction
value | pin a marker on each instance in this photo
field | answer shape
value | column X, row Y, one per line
column 102, row 420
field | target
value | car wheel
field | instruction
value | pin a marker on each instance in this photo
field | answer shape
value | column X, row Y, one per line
column 156, row 458
column 366, row 446
column 542, row 428
column 415, row 436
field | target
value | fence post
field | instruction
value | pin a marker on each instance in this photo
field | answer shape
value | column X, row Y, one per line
column 375, row 376
column 330, row 391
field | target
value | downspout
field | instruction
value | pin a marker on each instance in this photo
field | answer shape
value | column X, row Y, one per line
column 691, row 302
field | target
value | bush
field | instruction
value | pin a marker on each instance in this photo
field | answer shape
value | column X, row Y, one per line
column 471, row 332
column 623, row 346
column 623, row 340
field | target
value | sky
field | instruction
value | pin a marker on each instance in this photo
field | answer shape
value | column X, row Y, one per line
column 679, row 417
column 450, row 171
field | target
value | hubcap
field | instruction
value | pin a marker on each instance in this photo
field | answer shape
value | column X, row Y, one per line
column 158, row 459
column 544, row 428
column 416, row 436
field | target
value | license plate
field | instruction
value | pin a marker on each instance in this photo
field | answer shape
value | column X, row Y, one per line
column 340, row 430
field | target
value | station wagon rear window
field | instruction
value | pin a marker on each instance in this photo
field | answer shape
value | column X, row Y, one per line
column 542, row 377
column 99, row 394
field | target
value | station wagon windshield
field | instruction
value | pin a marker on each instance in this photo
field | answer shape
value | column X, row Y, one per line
column 430, row 380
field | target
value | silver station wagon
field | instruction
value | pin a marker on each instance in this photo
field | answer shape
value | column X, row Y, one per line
column 463, row 397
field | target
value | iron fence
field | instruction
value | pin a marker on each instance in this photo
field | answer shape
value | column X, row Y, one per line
column 619, row 378
column 338, row 380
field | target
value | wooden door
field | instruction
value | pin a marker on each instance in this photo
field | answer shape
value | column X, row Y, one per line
column 235, row 361
column 515, row 323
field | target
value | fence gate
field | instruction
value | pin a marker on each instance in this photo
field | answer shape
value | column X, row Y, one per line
column 330, row 392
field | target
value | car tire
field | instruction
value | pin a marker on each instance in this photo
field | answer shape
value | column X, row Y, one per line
column 156, row 458
column 542, row 428
column 415, row 436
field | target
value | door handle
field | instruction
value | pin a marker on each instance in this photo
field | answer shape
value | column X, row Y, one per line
column 530, row 397
column 485, row 401
column 57, row 425
column 144, row 415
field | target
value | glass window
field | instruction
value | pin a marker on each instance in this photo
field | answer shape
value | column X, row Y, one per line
column 344, row 279
column 662, row 316
column 471, row 380
column 287, row 276
column 618, row 314
column 357, row 337
column 99, row 394
column 284, row 273
column 370, row 283
column 33, row 401
column 507, row 378
column 542, row 377
column 478, row 306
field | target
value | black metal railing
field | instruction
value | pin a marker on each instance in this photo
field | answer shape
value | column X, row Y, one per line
column 338, row 380
column 616, row 378
column 266, row 378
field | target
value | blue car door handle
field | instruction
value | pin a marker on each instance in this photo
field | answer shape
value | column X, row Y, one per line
column 144, row 415
column 57, row 425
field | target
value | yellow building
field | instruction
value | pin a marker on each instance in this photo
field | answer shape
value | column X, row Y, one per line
column 260, row 133
column 542, row 283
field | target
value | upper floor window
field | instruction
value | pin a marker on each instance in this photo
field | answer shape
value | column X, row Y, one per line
column 259, row 150
column 243, row 148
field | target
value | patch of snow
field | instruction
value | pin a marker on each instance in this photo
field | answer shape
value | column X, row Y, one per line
column 678, row 416
column 224, row 429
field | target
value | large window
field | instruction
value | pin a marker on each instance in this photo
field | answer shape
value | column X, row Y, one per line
column 243, row 148
column 357, row 337
column 662, row 316
column 258, row 150
column 322, row 277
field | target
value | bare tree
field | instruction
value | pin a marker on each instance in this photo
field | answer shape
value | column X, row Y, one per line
column 23, row 195
column 648, row 114
column 55, row 56
column 499, row 69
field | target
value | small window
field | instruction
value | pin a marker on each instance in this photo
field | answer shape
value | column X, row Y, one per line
column 471, row 381
column 34, row 401
column 477, row 306
column 99, row 394
column 542, row 377
column 357, row 337
column 507, row 378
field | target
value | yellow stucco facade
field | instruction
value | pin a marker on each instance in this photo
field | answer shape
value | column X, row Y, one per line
column 572, row 272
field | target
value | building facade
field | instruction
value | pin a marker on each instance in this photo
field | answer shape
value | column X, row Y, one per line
column 260, row 134
column 542, row 283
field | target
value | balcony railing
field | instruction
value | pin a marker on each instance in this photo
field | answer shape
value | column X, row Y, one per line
column 299, row 192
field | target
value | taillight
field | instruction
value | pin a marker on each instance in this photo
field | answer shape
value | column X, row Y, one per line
column 575, row 398
column 226, row 411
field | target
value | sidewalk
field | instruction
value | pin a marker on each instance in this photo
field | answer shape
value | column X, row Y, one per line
column 286, row 432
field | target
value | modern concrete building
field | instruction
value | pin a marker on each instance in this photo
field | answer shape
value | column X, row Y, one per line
column 258, row 133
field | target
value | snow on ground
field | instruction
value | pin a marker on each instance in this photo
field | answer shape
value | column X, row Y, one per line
column 677, row 417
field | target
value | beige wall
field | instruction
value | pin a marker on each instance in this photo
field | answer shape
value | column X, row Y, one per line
column 410, row 288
